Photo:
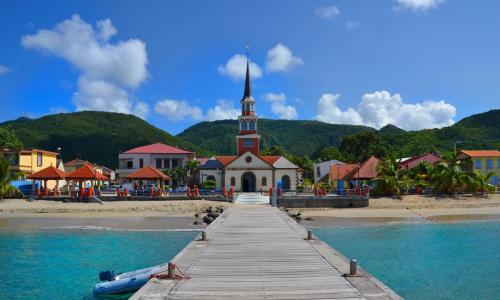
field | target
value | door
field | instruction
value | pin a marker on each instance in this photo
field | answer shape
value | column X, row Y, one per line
column 248, row 182
column 285, row 183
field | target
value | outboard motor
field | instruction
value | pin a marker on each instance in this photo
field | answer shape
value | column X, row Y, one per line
column 107, row 275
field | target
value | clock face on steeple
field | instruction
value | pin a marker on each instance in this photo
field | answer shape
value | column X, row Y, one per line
column 248, row 139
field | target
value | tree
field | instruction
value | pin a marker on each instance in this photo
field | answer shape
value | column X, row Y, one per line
column 481, row 182
column 361, row 146
column 420, row 174
column 391, row 179
column 329, row 153
column 273, row 151
column 305, row 163
column 448, row 175
column 9, row 140
column 5, row 188
column 191, row 170
column 178, row 175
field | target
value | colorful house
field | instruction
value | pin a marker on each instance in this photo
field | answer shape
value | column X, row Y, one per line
column 412, row 162
column 349, row 176
column 483, row 162
column 25, row 162
column 322, row 169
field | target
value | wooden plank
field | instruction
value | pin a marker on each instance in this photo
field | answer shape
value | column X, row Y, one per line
column 256, row 253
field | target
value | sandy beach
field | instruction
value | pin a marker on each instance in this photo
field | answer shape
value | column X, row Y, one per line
column 19, row 213
column 141, row 215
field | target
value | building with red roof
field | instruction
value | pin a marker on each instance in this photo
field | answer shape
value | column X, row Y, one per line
column 483, row 162
column 412, row 162
column 158, row 156
column 248, row 171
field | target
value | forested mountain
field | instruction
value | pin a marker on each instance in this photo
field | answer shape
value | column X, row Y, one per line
column 96, row 136
column 100, row 136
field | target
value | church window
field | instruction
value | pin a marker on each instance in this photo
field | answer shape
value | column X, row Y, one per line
column 264, row 181
column 211, row 177
column 244, row 125
column 247, row 143
column 252, row 125
column 247, row 107
column 233, row 181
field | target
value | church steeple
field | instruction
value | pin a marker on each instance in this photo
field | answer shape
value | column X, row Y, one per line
column 248, row 88
column 248, row 139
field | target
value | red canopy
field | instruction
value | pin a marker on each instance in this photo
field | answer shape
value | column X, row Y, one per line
column 49, row 173
column 148, row 173
column 86, row 173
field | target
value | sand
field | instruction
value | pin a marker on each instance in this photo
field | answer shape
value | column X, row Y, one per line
column 16, row 213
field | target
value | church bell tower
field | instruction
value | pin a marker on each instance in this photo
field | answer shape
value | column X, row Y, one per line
column 248, row 139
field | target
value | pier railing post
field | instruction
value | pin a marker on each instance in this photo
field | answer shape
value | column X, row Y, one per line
column 353, row 267
column 309, row 234
column 203, row 235
column 171, row 269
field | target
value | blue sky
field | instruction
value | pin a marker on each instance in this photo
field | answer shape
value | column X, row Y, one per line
column 413, row 63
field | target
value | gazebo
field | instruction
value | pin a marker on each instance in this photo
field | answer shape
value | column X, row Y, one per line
column 86, row 173
column 49, row 173
column 149, row 173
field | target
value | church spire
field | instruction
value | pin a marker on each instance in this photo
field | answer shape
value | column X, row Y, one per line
column 248, row 88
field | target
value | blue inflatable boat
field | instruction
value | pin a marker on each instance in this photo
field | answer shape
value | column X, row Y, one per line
column 125, row 282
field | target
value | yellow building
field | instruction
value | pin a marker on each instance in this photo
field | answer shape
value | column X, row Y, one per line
column 25, row 162
column 484, row 162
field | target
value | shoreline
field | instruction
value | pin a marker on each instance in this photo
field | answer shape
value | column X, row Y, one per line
column 170, row 215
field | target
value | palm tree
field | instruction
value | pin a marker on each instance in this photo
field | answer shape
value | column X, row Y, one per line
column 178, row 175
column 448, row 176
column 391, row 179
column 5, row 188
column 481, row 182
column 191, row 169
column 420, row 174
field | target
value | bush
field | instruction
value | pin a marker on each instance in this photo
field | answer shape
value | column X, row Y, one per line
column 209, row 184
column 300, row 188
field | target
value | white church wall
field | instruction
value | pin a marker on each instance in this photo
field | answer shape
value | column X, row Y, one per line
column 258, row 179
column 218, row 177
column 291, row 173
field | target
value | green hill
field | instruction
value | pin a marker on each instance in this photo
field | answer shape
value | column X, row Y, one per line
column 96, row 136
column 481, row 131
column 295, row 137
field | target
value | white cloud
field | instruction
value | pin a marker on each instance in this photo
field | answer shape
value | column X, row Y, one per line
column 352, row 24
column 418, row 5
column 381, row 108
column 3, row 70
column 279, row 107
column 177, row 110
column 329, row 112
column 328, row 12
column 109, row 70
column 236, row 67
column 281, row 59
column 224, row 110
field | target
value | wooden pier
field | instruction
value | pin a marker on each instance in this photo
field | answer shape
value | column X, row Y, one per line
column 259, row 252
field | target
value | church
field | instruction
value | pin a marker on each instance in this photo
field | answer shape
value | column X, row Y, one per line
column 248, row 171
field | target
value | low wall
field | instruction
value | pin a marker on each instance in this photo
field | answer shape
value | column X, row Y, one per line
column 137, row 198
column 320, row 202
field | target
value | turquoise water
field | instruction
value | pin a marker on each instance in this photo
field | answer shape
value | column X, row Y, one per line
column 435, row 261
column 65, row 264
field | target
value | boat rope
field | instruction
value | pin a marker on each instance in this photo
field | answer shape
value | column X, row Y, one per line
column 165, row 275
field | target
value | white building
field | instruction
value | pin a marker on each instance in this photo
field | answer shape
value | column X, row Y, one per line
column 249, row 171
column 158, row 155
column 322, row 169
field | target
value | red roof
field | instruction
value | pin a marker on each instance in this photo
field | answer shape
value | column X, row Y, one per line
column 484, row 153
column 49, row 173
column 368, row 169
column 225, row 160
column 340, row 171
column 86, row 172
column 157, row 148
column 270, row 159
column 431, row 158
column 148, row 173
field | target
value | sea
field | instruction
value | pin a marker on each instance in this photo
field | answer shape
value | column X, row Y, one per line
column 426, row 261
column 65, row 263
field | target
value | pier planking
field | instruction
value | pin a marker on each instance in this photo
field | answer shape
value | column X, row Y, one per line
column 258, row 252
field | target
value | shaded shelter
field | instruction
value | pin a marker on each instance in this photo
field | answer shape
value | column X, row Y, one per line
column 86, row 173
column 149, row 173
column 49, row 173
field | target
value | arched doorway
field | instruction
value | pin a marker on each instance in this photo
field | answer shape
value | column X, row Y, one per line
column 285, row 183
column 248, row 182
